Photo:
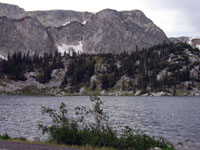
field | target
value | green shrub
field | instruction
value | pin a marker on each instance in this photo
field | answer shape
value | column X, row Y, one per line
column 22, row 139
column 4, row 136
column 77, row 131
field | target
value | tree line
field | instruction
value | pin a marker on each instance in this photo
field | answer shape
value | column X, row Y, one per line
column 143, row 67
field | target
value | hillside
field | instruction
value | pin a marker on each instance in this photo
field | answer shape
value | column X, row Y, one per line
column 167, row 69
column 107, row 31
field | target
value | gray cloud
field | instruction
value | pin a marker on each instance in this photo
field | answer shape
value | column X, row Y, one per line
column 188, row 14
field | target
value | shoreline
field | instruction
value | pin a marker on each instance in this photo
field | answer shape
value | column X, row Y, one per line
column 107, row 95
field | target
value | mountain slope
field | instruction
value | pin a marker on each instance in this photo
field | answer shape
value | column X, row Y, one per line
column 68, row 36
column 193, row 41
column 59, row 18
column 11, row 11
column 107, row 31
column 25, row 35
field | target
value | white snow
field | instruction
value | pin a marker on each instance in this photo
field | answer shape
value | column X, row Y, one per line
column 64, row 24
column 190, row 42
column 198, row 46
column 68, row 22
column 70, row 48
column 84, row 22
column 3, row 57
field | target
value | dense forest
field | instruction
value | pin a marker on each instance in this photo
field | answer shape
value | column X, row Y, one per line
column 165, row 67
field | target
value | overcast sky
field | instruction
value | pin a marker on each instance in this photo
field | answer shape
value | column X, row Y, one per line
column 175, row 17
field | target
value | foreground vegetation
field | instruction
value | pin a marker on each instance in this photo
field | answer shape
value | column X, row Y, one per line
column 7, row 137
column 97, row 133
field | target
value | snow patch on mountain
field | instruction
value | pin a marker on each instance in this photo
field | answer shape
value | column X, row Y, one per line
column 84, row 22
column 198, row 46
column 66, row 23
column 192, row 43
column 190, row 40
column 3, row 57
column 69, row 49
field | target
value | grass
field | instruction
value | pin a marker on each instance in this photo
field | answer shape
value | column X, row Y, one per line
column 4, row 137
column 99, row 59
column 7, row 137
column 31, row 90
column 182, row 92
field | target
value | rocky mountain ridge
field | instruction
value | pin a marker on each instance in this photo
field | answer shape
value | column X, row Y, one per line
column 193, row 41
column 107, row 31
column 113, row 31
column 58, row 18
column 26, row 35
column 11, row 11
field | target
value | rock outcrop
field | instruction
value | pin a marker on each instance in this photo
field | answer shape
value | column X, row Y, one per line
column 59, row 18
column 110, row 31
column 25, row 35
column 68, row 36
column 193, row 41
column 11, row 11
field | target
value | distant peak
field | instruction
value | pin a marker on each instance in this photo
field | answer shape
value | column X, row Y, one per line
column 5, row 5
column 107, row 11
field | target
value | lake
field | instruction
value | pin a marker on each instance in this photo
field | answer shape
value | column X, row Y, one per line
column 174, row 118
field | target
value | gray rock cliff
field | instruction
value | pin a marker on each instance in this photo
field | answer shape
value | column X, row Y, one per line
column 69, row 34
column 11, row 11
column 25, row 35
column 110, row 31
column 107, row 31
column 59, row 18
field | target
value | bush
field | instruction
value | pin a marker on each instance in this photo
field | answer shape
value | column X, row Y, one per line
column 4, row 136
column 7, row 137
column 77, row 131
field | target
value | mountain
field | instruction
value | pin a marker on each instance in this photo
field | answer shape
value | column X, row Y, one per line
column 193, row 41
column 68, row 37
column 110, row 31
column 25, row 35
column 152, row 65
column 11, row 11
column 59, row 18
column 107, row 31
column 19, row 32
column 183, row 39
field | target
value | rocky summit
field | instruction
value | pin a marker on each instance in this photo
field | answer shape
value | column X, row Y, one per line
column 107, row 31
column 59, row 18
column 110, row 31
column 11, row 11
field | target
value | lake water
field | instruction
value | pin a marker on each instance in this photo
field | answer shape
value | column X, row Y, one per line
column 175, row 118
